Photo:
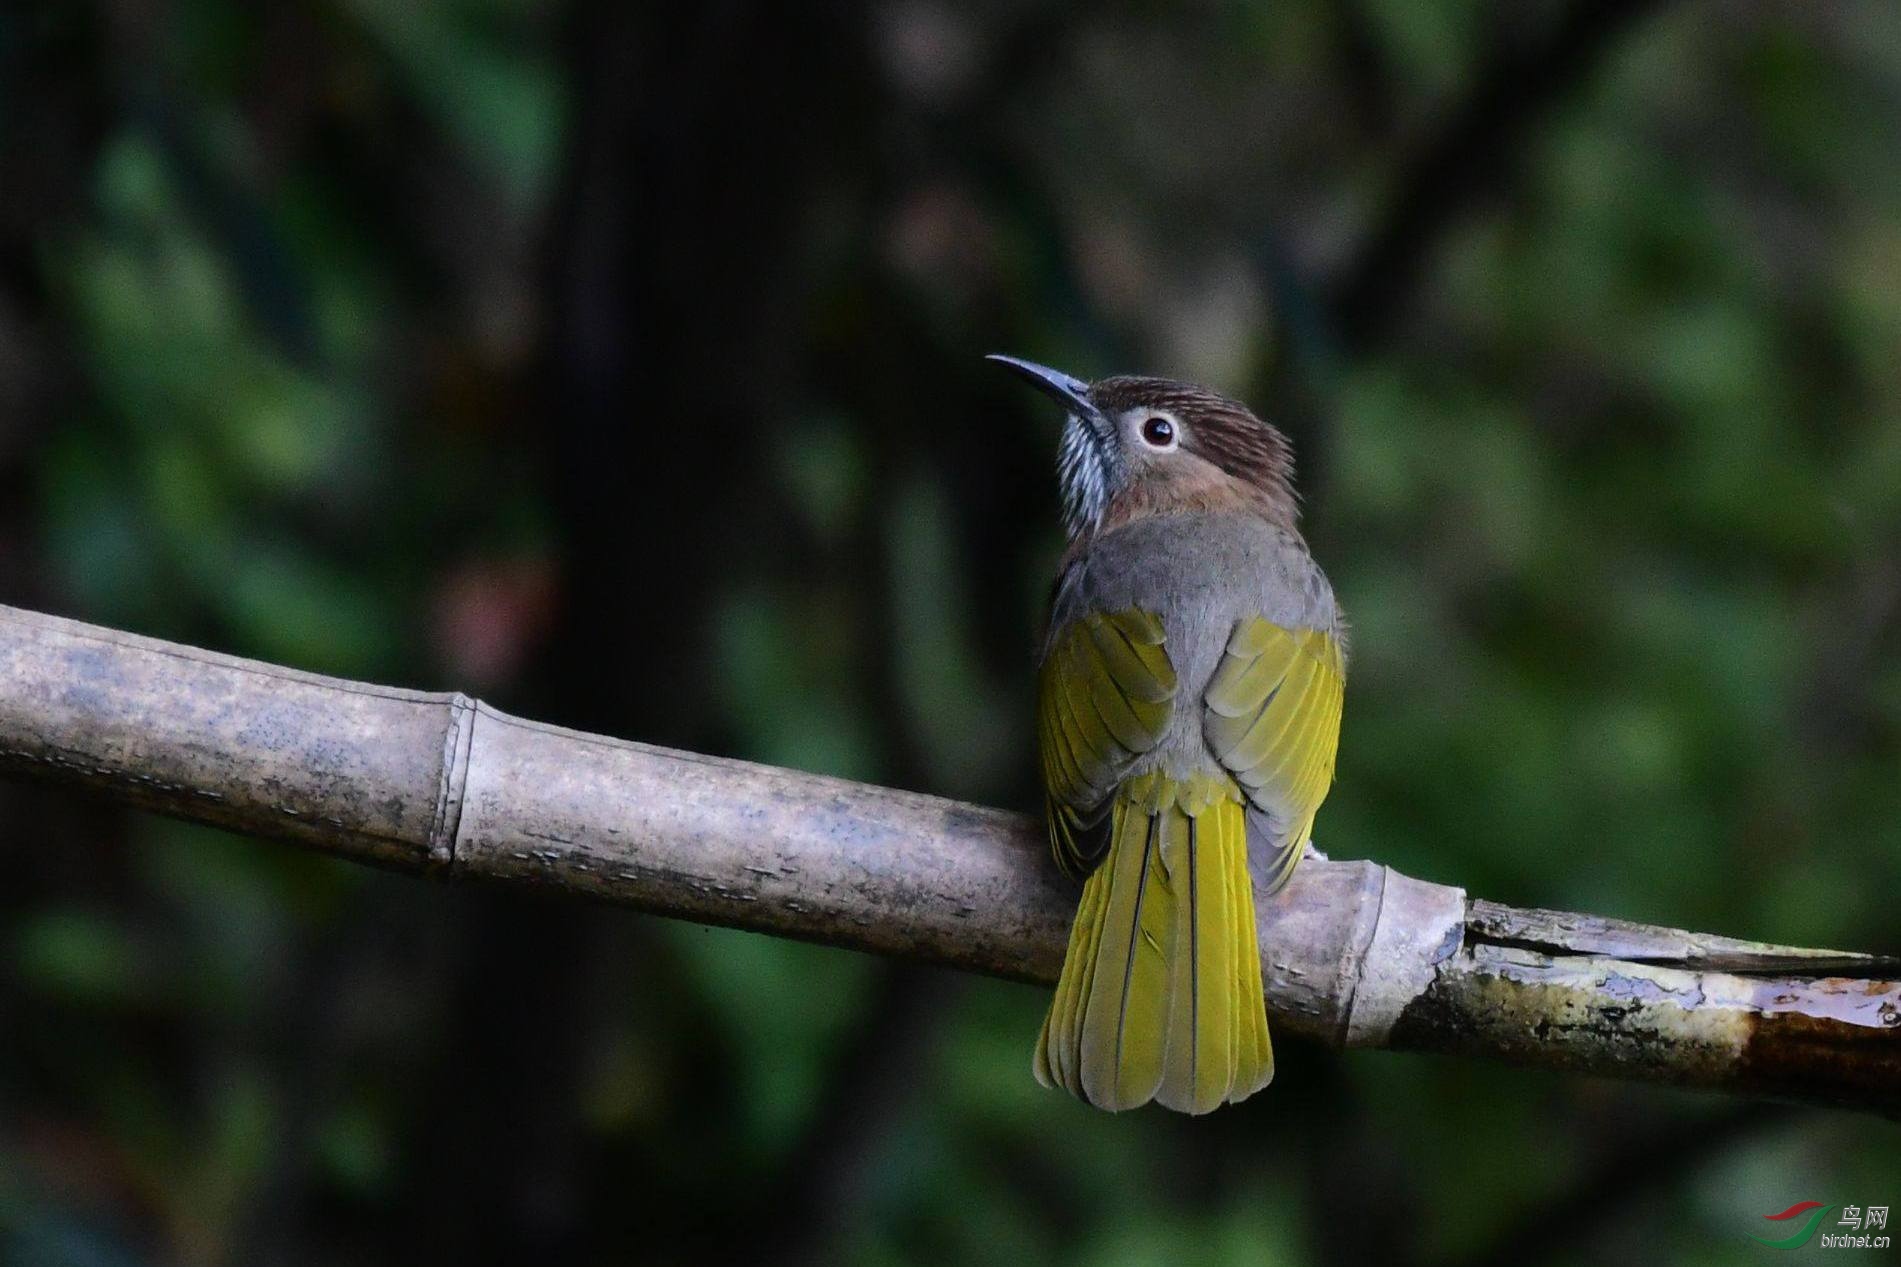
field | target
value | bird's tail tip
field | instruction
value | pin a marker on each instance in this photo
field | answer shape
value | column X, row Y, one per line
column 1160, row 995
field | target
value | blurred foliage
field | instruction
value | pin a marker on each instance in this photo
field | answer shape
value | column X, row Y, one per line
column 621, row 363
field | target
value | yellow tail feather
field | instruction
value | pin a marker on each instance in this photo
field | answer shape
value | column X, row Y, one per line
column 1160, row 997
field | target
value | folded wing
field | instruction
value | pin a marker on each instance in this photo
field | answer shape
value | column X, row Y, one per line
column 1105, row 695
column 1272, row 718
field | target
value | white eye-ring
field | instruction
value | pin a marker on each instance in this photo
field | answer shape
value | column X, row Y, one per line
column 1158, row 430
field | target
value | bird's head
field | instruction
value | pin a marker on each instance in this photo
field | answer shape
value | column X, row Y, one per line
column 1135, row 447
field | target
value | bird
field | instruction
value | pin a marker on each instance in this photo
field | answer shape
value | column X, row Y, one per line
column 1189, row 695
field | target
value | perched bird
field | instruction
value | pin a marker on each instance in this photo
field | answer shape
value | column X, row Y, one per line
column 1188, row 712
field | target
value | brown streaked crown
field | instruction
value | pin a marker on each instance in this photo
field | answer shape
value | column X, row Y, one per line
column 1221, row 431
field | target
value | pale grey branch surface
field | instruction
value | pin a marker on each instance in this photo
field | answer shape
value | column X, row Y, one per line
column 1355, row 954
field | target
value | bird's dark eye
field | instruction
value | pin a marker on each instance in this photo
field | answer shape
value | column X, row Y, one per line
column 1159, row 432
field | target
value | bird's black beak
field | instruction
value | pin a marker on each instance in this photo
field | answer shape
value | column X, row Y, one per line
column 1071, row 393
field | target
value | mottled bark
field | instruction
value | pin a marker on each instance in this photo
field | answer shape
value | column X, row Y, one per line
column 1355, row 954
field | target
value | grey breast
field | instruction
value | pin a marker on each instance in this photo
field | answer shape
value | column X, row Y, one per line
column 1200, row 574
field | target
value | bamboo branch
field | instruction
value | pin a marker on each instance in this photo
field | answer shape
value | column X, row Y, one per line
column 1355, row 954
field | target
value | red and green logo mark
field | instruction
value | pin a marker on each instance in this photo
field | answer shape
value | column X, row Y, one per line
column 1816, row 1212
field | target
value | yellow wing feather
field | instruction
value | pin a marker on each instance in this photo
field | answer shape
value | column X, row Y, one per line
column 1105, row 695
column 1273, row 721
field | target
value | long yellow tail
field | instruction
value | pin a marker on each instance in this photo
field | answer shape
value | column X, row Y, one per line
column 1160, row 997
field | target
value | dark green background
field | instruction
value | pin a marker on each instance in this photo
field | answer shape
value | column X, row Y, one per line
column 621, row 364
